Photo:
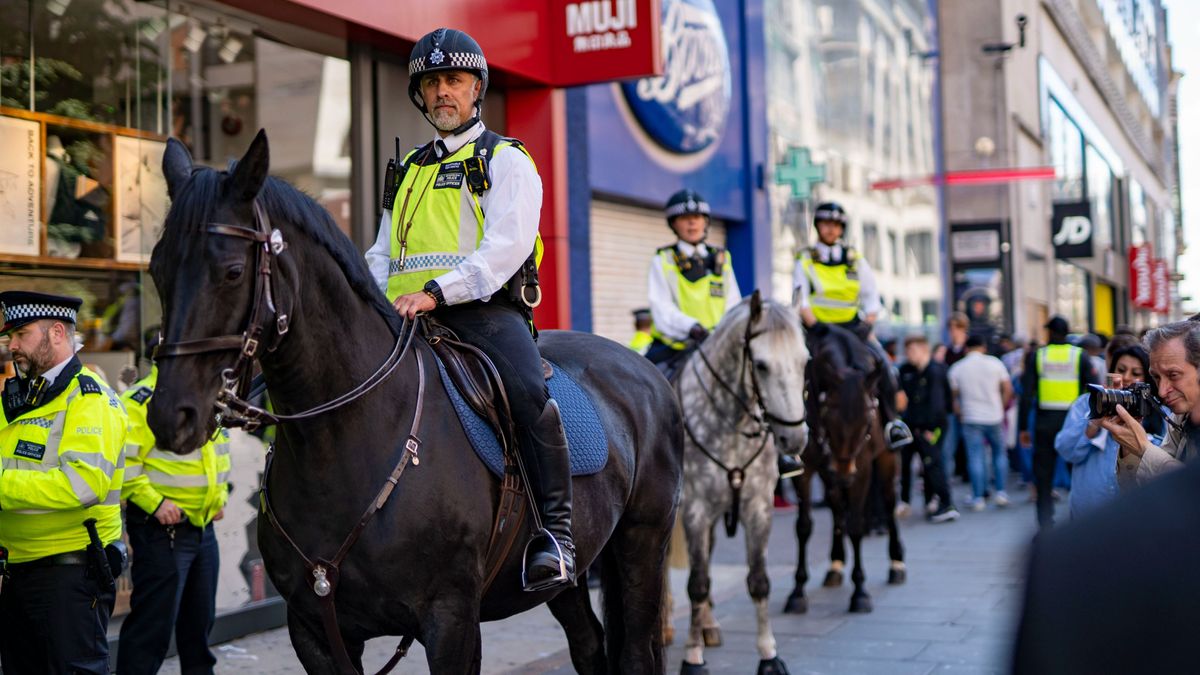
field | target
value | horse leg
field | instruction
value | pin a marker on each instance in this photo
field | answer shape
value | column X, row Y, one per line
column 797, row 603
column 585, row 636
column 860, row 600
column 886, row 470
column 699, row 587
column 757, row 520
column 451, row 636
column 638, row 559
column 313, row 648
column 835, row 496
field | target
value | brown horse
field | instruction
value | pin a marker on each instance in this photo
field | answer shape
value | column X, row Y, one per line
column 845, row 446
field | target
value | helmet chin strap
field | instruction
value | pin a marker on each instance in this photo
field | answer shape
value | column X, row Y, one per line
column 456, row 130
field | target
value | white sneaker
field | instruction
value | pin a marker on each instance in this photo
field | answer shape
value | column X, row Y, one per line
column 903, row 510
column 1001, row 499
column 933, row 504
column 978, row 504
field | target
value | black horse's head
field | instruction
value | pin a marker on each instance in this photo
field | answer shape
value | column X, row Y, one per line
column 844, row 382
column 206, row 282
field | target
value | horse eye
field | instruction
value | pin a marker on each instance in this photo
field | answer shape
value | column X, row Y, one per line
column 234, row 272
column 761, row 366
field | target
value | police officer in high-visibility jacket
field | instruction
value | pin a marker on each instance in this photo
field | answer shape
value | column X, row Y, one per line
column 643, row 327
column 691, row 283
column 172, row 503
column 834, row 285
column 1054, row 377
column 459, row 239
column 61, row 468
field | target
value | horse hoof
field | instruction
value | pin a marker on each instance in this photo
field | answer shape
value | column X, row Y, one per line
column 897, row 577
column 693, row 669
column 712, row 636
column 668, row 636
column 861, row 604
column 772, row 667
column 833, row 579
column 796, row 604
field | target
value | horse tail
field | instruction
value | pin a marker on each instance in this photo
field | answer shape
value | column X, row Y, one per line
column 851, row 397
column 614, row 606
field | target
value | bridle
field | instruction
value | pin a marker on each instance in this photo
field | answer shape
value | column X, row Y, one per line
column 822, row 436
column 754, row 406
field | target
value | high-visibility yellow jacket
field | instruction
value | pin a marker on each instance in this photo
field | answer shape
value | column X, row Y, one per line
column 446, row 217
column 1058, row 376
column 702, row 299
column 641, row 342
column 198, row 482
column 835, row 288
column 60, row 464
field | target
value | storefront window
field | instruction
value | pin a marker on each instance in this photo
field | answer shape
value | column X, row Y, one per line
column 1072, row 295
column 1138, row 220
column 1100, row 194
column 1066, row 150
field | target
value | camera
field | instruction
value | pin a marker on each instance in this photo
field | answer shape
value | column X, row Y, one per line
column 1138, row 398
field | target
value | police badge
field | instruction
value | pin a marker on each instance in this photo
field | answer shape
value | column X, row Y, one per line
column 437, row 56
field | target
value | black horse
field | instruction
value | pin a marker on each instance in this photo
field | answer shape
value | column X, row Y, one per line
column 845, row 447
column 240, row 252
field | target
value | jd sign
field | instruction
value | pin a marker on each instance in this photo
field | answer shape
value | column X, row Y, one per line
column 1071, row 224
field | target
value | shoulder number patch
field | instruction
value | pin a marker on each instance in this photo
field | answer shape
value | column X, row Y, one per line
column 142, row 395
column 30, row 450
column 89, row 386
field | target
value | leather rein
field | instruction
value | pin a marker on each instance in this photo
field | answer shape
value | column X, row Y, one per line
column 233, row 410
column 755, row 408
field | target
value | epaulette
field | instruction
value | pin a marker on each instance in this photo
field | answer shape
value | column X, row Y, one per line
column 141, row 395
column 664, row 249
column 89, row 386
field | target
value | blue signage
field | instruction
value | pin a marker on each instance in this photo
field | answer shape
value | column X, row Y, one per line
column 686, row 108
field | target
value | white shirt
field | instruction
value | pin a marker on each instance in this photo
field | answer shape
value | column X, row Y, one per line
column 512, row 207
column 978, row 381
column 664, row 301
column 868, row 290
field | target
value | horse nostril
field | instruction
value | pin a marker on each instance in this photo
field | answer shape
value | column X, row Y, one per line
column 185, row 419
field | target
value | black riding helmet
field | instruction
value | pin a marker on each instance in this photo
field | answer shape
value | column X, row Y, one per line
column 686, row 202
column 445, row 49
column 830, row 211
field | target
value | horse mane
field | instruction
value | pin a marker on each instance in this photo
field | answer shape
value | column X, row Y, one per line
column 732, row 329
column 842, row 351
column 283, row 202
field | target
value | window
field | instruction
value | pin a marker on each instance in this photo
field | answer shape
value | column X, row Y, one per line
column 920, row 246
column 897, row 257
column 929, row 311
column 1066, row 151
column 1100, row 194
column 870, row 245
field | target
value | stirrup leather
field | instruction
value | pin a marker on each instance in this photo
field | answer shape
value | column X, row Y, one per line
column 563, row 577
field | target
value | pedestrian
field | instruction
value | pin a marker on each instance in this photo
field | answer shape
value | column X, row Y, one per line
column 1093, row 345
column 982, row 390
column 172, row 503
column 1054, row 377
column 1090, row 450
column 61, row 442
column 459, row 240
column 1175, row 363
column 923, row 382
column 949, row 354
column 642, row 331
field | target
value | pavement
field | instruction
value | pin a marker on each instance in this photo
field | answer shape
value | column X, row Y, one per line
column 955, row 614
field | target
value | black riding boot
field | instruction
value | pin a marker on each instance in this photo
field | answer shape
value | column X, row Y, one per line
column 895, row 431
column 549, row 560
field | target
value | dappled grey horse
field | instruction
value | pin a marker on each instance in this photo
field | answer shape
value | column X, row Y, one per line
column 742, row 393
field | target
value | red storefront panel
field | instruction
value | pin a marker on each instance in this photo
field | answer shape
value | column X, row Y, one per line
column 1162, row 287
column 1141, row 276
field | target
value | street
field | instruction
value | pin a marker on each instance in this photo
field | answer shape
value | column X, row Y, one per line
column 955, row 614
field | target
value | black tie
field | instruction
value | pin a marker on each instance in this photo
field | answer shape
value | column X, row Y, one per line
column 441, row 149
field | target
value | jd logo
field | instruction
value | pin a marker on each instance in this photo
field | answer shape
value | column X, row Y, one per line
column 1074, row 230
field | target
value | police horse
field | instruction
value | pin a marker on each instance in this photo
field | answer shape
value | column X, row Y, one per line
column 845, row 446
column 742, row 392
column 377, row 516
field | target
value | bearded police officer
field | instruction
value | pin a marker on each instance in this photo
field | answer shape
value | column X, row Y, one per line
column 835, row 286
column 459, row 239
column 1054, row 377
column 61, row 445
column 172, row 503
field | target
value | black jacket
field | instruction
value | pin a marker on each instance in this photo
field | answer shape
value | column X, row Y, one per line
column 926, row 392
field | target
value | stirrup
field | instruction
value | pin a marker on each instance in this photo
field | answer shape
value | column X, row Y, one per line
column 898, row 434
column 563, row 577
column 796, row 469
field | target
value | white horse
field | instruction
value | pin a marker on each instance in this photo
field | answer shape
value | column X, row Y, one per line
column 742, row 394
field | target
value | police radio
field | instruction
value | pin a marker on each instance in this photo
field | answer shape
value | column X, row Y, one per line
column 390, row 182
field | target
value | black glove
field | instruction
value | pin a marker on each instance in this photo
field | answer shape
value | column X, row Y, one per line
column 698, row 333
column 818, row 330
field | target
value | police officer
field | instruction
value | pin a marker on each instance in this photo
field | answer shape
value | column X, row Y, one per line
column 691, row 282
column 643, row 326
column 459, row 239
column 834, row 285
column 172, row 503
column 61, row 444
column 1054, row 377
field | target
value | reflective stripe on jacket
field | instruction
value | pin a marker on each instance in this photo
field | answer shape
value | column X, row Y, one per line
column 702, row 299
column 198, row 482
column 446, row 217
column 1058, row 376
column 62, row 463
column 834, row 296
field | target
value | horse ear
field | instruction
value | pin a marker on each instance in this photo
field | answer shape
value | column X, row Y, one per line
column 755, row 305
column 251, row 170
column 176, row 166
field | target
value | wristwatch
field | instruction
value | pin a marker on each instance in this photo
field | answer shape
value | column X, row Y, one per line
column 434, row 291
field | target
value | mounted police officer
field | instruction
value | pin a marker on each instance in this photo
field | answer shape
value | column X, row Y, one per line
column 459, row 239
column 834, row 285
column 172, row 503
column 61, row 444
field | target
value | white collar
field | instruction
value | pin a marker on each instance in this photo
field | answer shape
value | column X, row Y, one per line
column 827, row 253
column 689, row 250
column 54, row 372
column 454, row 142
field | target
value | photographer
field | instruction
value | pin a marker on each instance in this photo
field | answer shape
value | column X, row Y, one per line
column 1089, row 448
column 1175, row 364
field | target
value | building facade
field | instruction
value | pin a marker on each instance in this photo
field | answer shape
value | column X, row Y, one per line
column 1085, row 88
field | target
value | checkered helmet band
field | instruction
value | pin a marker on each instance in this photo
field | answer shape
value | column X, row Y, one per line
column 836, row 215
column 439, row 60
column 37, row 311
column 690, row 206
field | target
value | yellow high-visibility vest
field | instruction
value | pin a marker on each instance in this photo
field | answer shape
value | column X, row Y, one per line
column 834, row 289
column 702, row 299
column 62, row 463
column 1058, row 376
column 641, row 342
column 197, row 482
column 447, row 220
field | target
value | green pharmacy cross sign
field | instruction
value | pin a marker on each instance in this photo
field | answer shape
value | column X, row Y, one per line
column 798, row 170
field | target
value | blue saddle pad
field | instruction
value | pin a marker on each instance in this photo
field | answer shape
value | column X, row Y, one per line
column 585, row 434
